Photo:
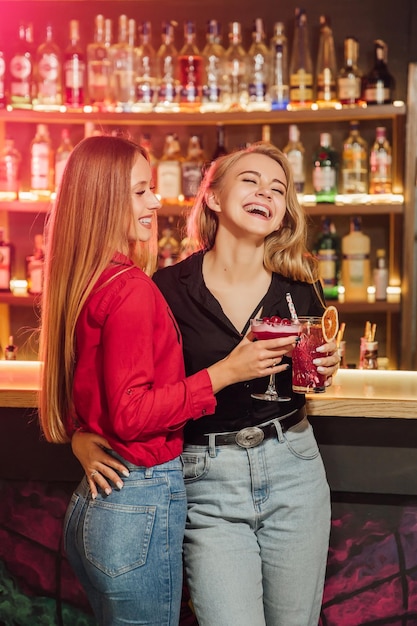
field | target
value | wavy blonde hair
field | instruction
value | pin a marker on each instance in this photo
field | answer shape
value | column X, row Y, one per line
column 285, row 249
column 89, row 222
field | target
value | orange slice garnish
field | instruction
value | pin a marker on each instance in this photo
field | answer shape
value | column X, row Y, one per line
column 330, row 323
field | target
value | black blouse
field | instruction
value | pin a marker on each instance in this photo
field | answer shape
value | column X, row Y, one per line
column 208, row 336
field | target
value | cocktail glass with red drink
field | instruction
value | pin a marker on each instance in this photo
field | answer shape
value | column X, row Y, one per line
column 273, row 328
column 305, row 377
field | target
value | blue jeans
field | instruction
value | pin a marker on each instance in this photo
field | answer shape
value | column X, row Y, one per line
column 257, row 532
column 126, row 548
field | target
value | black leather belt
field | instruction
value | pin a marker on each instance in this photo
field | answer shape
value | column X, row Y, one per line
column 252, row 435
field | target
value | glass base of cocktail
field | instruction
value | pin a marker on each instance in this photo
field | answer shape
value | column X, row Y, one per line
column 273, row 328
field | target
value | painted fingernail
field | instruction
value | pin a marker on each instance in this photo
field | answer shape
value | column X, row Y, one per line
column 119, row 484
column 126, row 473
column 107, row 491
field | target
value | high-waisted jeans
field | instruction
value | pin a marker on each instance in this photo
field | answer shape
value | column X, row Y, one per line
column 257, row 533
column 126, row 548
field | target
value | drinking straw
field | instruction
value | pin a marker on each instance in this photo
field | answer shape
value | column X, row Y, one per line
column 340, row 333
column 373, row 332
column 291, row 307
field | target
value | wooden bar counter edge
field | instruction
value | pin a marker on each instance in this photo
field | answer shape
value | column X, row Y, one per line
column 354, row 393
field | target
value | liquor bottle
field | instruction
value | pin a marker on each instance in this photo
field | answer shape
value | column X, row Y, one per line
column 74, row 69
column 190, row 68
column 354, row 162
column 294, row 151
column 356, row 269
column 192, row 167
column 48, row 74
column 214, row 69
column 279, row 88
column 166, row 59
column 220, row 148
column 61, row 156
column 325, row 165
column 146, row 142
column 41, row 162
column 10, row 350
column 35, row 266
column 3, row 99
column 380, row 275
column 349, row 81
column 169, row 169
column 380, row 176
column 21, row 70
column 10, row 161
column 6, row 256
column 327, row 251
column 326, row 70
column 236, row 61
column 145, row 70
column 99, row 65
column 301, row 65
column 259, row 63
column 378, row 84
column 123, row 65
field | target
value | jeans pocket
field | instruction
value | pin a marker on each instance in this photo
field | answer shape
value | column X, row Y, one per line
column 69, row 515
column 195, row 465
column 302, row 442
column 117, row 536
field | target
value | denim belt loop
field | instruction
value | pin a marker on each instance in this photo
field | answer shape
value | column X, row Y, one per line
column 212, row 445
column 280, row 434
column 149, row 472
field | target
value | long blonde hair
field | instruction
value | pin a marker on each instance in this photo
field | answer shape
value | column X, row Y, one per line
column 89, row 222
column 285, row 249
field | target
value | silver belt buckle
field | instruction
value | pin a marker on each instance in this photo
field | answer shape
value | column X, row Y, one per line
column 249, row 437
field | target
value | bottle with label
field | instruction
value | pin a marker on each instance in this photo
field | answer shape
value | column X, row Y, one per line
column 74, row 69
column 21, row 70
column 6, row 257
column 220, row 148
column 190, row 69
column 169, row 169
column 10, row 161
column 349, row 81
column 192, row 168
column 259, row 64
column 145, row 64
column 380, row 176
column 99, row 72
column 48, row 74
column 123, row 65
column 378, row 84
column 326, row 70
column 301, row 65
column 325, row 164
column 236, row 70
column 294, row 151
column 354, row 162
column 61, row 156
column 42, row 179
column 166, row 61
column 380, row 274
column 3, row 99
column 327, row 252
column 279, row 88
column 356, row 269
column 10, row 351
column 214, row 69
column 35, row 266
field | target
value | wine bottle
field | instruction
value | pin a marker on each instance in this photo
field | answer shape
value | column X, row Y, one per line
column 5, row 262
column 349, row 81
column 220, row 148
column 166, row 59
column 48, row 74
column 325, row 165
column 35, row 266
column 279, row 89
column 145, row 64
column 62, row 155
column 326, row 70
column 327, row 251
column 21, row 70
column 354, row 162
column 214, row 69
column 380, row 275
column 378, row 84
column 41, row 163
column 10, row 162
column 74, row 69
column 190, row 67
column 236, row 70
column 169, row 169
column 99, row 71
column 294, row 151
column 192, row 168
column 123, row 65
column 380, row 176
column 258, row 70
column 356, row 269
column 301, row 65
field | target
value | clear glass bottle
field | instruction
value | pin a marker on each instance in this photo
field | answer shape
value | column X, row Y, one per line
column 99, row 69
column 169, row 170
column 6, row 257
column 48, row 74
column 146, row 142
column 379, row 84
column 42, row 163
column 21, row 68
column 236, row 61
column 166, row 59
column 3, row 99
column 220, row 148
column 145, row 63
column 326, row 69
column 294, row 151
column 61, row 156
column 190, row 69
column 380, row 275
column 192, row 168
column 10, row 351
column 301, row 64
column 356, row 268
column 380, row 162
column 214, row 69
column 354, row 162
column 325, row 164
column 74, row 69
column 279, row 88
column 259, row 64
column 327, row 252
column 10, row 163
column 123, row 65
column 349, row 81
column 35, row 266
